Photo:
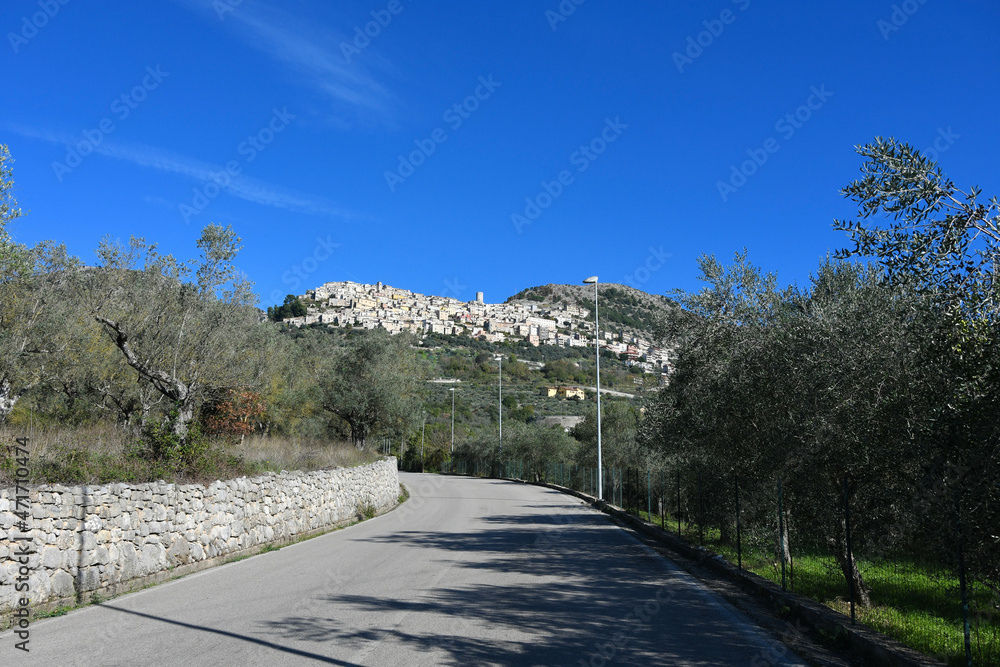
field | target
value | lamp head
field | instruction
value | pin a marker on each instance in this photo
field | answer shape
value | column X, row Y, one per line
column 590, row 280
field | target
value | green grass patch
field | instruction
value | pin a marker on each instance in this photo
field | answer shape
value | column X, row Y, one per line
column 61, row 611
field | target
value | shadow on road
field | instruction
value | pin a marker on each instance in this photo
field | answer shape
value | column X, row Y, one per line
column 253, row 640
column 585, row 594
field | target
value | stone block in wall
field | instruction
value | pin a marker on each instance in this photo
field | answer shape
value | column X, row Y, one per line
column 52, row 557
column 179, row 553
column 88, row 579
column 61, row 584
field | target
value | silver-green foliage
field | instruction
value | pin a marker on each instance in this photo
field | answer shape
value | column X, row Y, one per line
column 371, row 384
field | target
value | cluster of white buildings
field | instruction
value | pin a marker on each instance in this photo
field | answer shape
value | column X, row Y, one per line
column 396, row 310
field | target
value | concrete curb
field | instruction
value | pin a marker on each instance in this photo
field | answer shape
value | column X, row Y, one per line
column 873, row 646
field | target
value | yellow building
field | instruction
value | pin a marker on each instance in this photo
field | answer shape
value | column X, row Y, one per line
column 570, row 392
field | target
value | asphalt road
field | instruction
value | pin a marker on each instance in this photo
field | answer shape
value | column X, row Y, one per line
column 467, row 572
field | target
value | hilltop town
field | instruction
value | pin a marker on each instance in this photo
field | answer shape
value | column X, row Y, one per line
column 567, row 324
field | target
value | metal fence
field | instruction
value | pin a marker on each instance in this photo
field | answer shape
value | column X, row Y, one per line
column 893, row 558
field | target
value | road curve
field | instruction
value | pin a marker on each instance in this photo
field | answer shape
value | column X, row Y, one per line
column 467, row 572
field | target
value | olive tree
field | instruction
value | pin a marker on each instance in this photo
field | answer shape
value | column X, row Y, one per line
column 14, row 264
column 34, row 329
column 372, row 385
column 619, row 431
column 945, row 243
column 923, row 229
column 182, row 338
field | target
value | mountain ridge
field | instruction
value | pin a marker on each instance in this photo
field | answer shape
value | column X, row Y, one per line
column 622, row 305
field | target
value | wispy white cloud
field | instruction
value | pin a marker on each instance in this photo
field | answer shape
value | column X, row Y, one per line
column 242, row 186
column 36, row 133
column 311, row 52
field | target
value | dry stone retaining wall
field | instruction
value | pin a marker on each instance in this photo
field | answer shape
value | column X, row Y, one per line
column 87, row 539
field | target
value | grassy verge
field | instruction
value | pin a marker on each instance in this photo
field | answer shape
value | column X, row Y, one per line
column 916, row 604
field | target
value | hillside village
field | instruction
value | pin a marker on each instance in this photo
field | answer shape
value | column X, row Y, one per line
column 345, row 303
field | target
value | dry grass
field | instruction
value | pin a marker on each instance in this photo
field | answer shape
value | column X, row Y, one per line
column 105, row 453
column 97, row 438
column 287, row 453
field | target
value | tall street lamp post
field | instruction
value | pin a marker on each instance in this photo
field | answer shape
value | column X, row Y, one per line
column 452, row 422
column 423, row 428
column 597, row 346
column 499, row 358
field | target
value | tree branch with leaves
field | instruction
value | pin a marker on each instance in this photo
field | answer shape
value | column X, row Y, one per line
column 923, row 229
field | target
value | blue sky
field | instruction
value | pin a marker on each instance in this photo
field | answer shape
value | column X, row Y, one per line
column 588, row 138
